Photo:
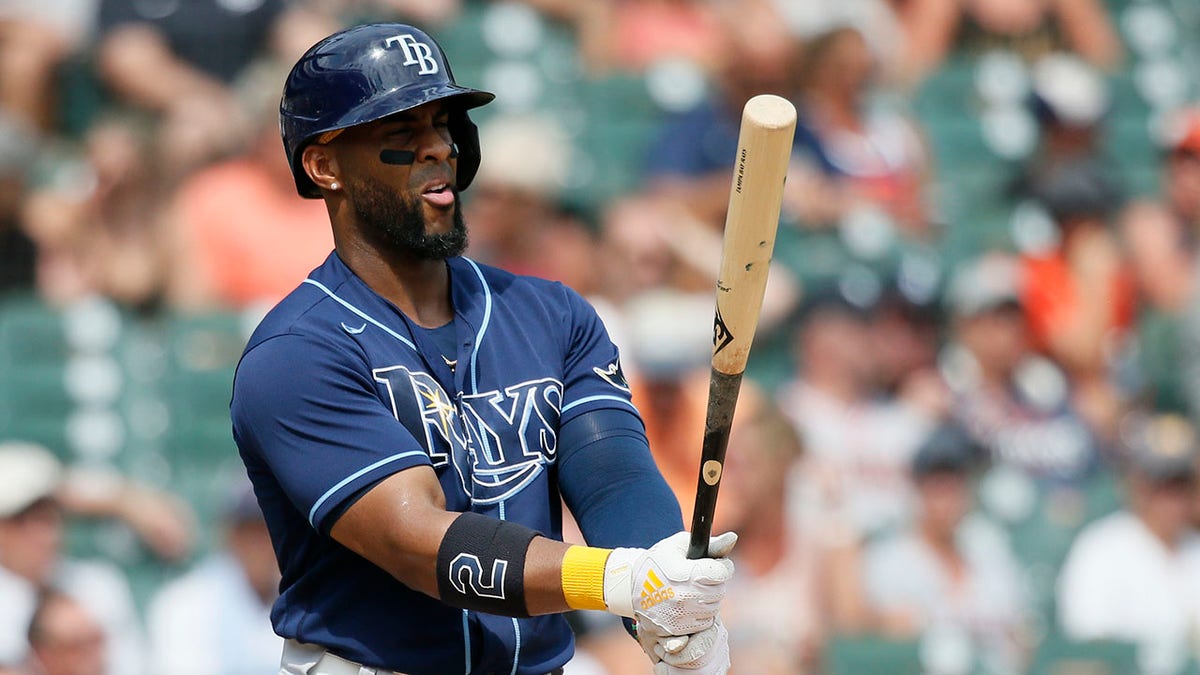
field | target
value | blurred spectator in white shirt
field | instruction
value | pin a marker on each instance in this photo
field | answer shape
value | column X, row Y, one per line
column 32, row 561
column 778, row 608
column 859, row 446
column 1012, row 401
column 1135, row 575
column 216, row 619
column 951, row 570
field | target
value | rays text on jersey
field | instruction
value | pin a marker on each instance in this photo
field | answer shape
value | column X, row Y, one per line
column 465, row 432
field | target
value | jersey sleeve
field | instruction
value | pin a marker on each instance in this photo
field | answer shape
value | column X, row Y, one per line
column 592, row 375
column 311, row 414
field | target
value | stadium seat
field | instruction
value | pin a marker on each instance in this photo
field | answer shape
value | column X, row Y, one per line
column 948, row 91
column 1057, row 655
column 29, row 333
column 619, row 122
column 202, row 353
column 1159, row 340
column 859, row 655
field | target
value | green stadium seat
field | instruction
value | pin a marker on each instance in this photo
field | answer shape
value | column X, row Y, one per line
column 863, row 655
column 1057, row 655
column 1128, row 140
column 83, row 96
column 202, row 354
column 47, row 431
column 948, row 91
column 463, row 40
column 34, row 405
column 974, row 209
column 1045, row 537
column 29, row 333
column 1159, row 336
column 620, row 120
column 957, row 143
column 35, row 391
column 1104, row 493
column 1127, row 102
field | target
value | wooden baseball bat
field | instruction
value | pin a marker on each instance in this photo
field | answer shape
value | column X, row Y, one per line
column 755, row 196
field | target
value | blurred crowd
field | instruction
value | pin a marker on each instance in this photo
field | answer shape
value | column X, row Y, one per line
column 969, row 422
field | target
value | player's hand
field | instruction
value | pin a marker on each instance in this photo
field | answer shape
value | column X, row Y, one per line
column 664, row 591
column 703, row 653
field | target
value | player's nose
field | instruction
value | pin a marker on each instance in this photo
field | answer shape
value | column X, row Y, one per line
column 435, row 144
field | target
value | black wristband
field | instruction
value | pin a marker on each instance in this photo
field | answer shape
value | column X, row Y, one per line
column 481, row 565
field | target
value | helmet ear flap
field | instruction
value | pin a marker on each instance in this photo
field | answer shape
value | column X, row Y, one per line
column 466, row 136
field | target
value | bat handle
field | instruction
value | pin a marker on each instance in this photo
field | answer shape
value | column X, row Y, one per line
column 723, row 393
column 701, row 531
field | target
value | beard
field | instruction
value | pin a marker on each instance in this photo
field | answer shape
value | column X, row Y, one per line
column 395, row 223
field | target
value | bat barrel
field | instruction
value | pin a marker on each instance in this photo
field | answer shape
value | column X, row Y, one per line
column 755, row 197
column 768, row 111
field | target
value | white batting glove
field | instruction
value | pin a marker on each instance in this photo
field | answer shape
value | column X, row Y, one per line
column 704, row 653
column 661, row 589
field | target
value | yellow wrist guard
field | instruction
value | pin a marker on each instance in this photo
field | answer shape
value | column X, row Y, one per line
column 583, row 577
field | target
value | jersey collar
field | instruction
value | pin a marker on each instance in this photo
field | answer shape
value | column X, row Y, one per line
column 469, row 291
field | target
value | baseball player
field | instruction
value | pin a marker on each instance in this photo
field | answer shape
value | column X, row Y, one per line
column 412, row 420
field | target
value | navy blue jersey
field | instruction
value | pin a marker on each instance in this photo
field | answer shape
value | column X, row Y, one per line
column 338, row 390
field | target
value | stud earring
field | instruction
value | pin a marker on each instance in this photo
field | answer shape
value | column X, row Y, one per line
column 334, row 186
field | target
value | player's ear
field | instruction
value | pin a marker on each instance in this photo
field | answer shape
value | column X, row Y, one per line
column 321, row 166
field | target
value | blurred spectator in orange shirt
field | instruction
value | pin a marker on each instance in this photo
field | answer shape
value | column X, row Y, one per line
column 1075, row 299
column 633, row 35
column 1080, row 297
column 244, row 235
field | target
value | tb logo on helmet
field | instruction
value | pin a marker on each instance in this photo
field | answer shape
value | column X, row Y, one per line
column 416, row 53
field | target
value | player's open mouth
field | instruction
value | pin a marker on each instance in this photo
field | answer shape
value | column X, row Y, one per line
column 439, row 195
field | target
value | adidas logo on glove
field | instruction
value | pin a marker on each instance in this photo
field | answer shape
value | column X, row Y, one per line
column 653, row 591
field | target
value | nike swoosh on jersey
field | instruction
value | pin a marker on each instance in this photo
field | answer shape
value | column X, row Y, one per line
column 353, row 331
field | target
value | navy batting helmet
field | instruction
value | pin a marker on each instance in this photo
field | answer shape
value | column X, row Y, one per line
column 366, row 73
